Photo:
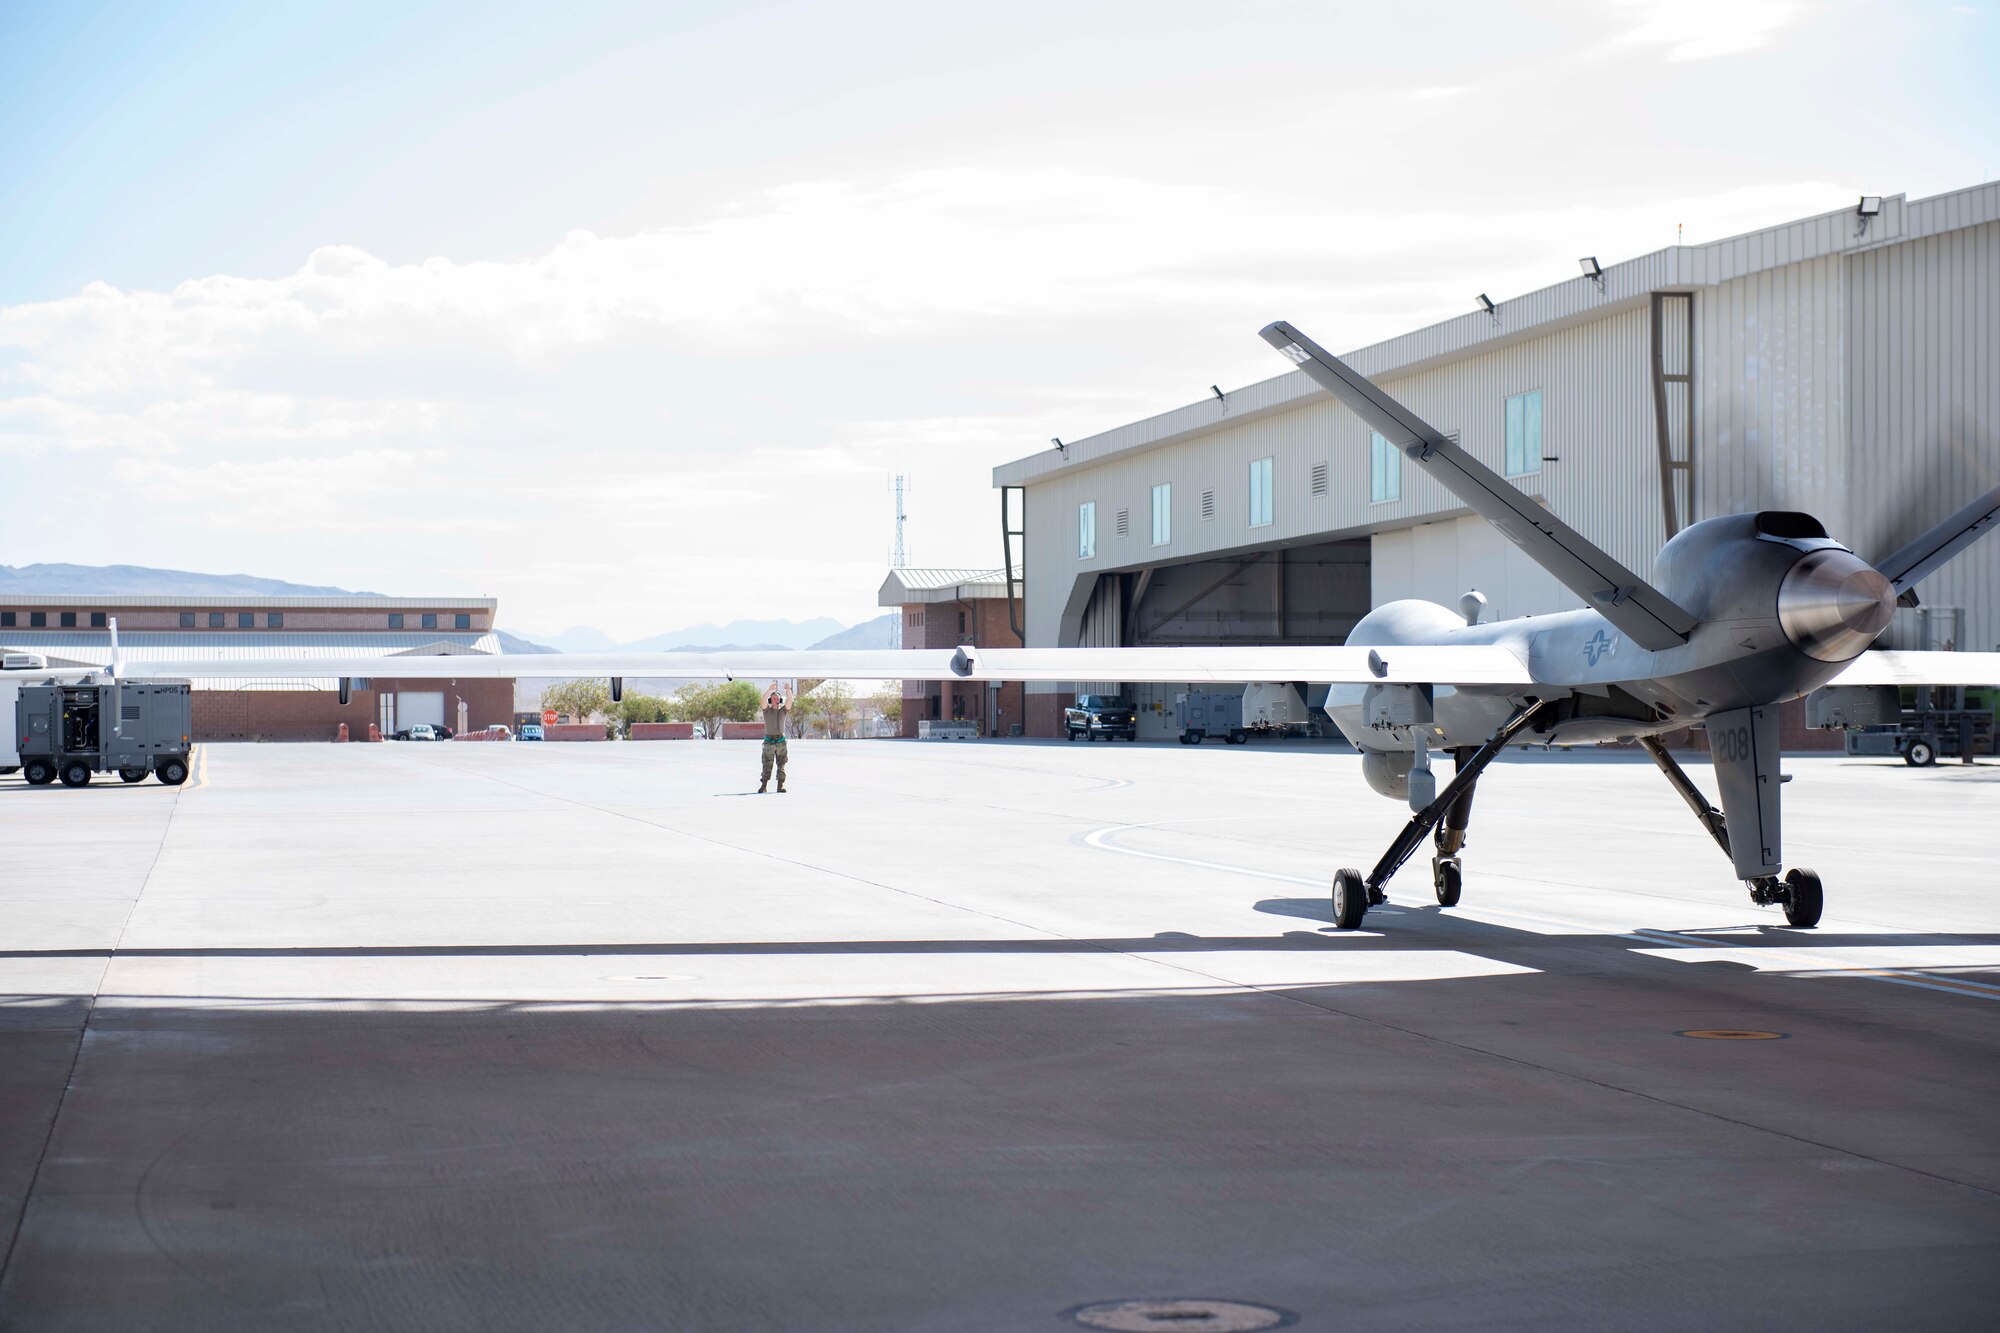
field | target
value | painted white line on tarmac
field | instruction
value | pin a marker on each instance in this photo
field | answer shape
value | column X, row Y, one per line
column 1099, row 838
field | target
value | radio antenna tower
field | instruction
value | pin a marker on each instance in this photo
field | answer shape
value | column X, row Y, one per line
column 900, row 559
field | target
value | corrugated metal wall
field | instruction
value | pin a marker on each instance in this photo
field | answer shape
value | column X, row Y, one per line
column 1856, row 380
column 1770, row 393
column 1597, row 422
column 1923, row 321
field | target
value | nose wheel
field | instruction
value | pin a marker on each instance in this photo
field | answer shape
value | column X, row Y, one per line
column 1350, row 899
column 1447, row 880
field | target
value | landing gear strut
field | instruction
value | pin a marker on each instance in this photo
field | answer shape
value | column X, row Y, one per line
column 1799, row 892
column 1448, row 814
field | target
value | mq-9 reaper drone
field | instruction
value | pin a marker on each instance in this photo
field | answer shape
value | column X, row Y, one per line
column 1744, row 612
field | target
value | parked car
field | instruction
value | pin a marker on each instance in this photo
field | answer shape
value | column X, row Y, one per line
column 422, row 731
column 531, row 731
column 442, row 732
column 1105, row 715
column 700, row 732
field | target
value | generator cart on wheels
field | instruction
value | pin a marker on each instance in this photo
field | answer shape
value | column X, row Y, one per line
column 70, row 730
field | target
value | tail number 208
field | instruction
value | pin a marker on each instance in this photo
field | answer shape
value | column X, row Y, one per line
column 1732, row 744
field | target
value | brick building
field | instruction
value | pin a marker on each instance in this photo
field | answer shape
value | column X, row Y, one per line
column 944, row 608
column 75, row 631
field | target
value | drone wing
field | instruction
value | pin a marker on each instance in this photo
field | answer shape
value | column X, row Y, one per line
column 1921, row 668
column 1467, row 664
column 1646, row 615
column 1940, row 544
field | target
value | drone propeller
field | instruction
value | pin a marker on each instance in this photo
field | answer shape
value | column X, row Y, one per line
column 1924, row 553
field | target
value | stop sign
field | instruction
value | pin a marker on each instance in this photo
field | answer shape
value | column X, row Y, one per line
column 548, row 717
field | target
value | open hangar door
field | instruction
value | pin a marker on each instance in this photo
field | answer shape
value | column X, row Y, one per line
column 1282, row 594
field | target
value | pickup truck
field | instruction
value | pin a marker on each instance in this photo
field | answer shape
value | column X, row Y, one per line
column 1104, row 715
column 423, row 731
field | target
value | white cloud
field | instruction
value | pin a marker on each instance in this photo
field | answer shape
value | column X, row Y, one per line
column 1705, row 29
column 646, row 402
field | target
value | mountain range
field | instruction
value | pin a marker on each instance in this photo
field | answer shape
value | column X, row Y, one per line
column 142, row 581
column 756, row 635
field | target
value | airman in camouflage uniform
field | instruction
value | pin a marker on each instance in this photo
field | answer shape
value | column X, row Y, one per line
column 777, row 709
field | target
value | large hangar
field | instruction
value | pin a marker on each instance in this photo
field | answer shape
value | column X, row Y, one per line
column 1847, row 365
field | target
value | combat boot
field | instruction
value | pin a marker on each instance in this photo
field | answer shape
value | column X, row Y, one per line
column 763, row 785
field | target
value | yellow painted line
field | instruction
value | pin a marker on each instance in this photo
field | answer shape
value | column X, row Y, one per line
column 1731, row 1034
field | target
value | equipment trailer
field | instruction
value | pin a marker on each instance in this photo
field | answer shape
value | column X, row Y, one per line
column 70, row 730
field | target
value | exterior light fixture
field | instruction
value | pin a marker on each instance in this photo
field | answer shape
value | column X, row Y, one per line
column 1060, row 447
column 1592, row 270
column 1218, row 394
column 1867, row 211
column 1486, row 304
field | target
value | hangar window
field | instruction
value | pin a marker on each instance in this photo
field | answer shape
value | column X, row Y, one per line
column 215, row 620
column 187, row 620
column 6, row 620
column 1385, row 470
column 97, row 620
column 1260, row 493
column 275, row 620
column 463, row 620
column 69, row 620
column 1319, row 480
column 1207, row 505
column 1124, row 523
column 38, row 619
column 1524, row 434
column 1163, row 513
column 246, row 620
column 1086, row 530
column 430, row 620
column 395, row 620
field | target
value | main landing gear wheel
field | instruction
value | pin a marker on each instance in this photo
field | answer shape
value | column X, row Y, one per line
column 131, row 775
column 38, row 772
column 1350, row 899
column 1804, row 899
column 76, row 773
column 1449, row 883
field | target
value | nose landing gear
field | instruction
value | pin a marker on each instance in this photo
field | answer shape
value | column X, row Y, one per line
column 1447, row 815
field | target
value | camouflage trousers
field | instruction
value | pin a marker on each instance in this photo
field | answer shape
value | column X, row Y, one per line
column 774, row 752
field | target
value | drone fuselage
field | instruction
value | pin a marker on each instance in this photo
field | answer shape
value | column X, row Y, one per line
column 1781, row 609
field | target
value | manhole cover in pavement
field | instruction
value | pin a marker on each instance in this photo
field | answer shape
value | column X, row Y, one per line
column 1730, row 1034
column 1186, row 1316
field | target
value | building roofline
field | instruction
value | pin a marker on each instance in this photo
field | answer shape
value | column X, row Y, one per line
column 1626, row 285
column 152, row 602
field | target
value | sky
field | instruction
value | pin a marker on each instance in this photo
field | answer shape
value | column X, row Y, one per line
column 626, row 314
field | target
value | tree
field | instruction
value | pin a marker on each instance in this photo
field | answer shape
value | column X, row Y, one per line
column 831, row 708
column 577, row 699
column 888, row 701
column 736, row 701
column 639, row 708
